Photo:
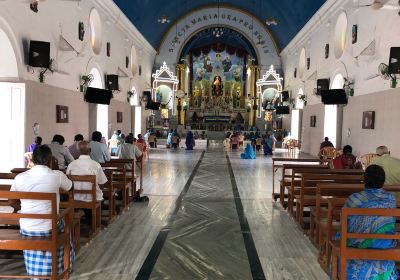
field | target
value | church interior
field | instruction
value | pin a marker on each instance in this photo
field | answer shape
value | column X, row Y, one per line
column 208, row 139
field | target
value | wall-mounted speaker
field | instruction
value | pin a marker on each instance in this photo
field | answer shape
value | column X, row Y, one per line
column 81, row 31
column 334, row 96
column 112, row 82
column 39, row 54
column 322, row 84
column 98, row 96
column 394, row 60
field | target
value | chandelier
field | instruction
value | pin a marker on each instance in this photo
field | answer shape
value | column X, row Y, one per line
column 218, row 32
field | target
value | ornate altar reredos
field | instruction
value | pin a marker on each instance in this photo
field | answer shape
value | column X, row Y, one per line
column 164, row 88
column 218, row 79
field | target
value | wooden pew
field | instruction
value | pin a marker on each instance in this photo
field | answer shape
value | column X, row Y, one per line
column 129, row 175
column 342, row 253
column 93, row 205
column 286, row 180
column 295, row 186
column 12, row 240
column 120, row 180
column 277, row 163
column 306, row 198
column 109, row 194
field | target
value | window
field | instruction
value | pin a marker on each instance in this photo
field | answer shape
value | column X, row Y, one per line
column 95, row 31
column 340, row 35
column 134, row 65
column 302, row 62
column 299, row 102
column 8, row 65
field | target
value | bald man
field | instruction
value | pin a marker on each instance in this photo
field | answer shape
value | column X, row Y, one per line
column 390, row 164
column 84, row 165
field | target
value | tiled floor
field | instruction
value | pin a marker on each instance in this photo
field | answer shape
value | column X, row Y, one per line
column 205, row 239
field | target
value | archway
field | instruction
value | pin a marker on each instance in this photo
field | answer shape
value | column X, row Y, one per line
column 331, row 113
column 12, row 108
column 296, row 117
column 102, row 110
column 137, row 111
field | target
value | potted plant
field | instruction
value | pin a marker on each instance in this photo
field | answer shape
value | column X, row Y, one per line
column 303, row 98
column 129, row 95
column 348, row 86
column 85, row 82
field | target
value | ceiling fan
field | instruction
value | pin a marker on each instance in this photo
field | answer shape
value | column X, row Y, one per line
column 381, row 4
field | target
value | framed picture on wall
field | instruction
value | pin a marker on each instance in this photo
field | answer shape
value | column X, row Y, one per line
column 368, row 120
column 119, row 117
column 354, row 31
column 313, row 121
column 61, row 114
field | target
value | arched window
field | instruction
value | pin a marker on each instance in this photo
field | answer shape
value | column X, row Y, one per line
column 299, row 102
column 340, row 35
column 134, row 64
column 102, row 110
column 302, row 62
column 95, row 30
column 8, row 65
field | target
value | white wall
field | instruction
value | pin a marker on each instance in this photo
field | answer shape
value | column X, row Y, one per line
column 57, row 18
column 373, row 25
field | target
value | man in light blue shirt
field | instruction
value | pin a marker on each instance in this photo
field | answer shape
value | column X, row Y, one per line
column 99, row 151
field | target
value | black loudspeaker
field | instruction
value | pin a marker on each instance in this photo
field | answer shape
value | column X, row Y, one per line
column 153, row 105
column 98, row 96
column 282, row 110
column 334, row 96
column 112, row 82
column 81, row 30
column 285, row 96
column 322, row 84
column 394, row 60
column 39, row 54
column 147, row 96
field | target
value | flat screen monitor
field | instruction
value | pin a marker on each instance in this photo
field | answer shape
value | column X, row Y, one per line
column 282, row 110
column 98, row 96
column 334, row 96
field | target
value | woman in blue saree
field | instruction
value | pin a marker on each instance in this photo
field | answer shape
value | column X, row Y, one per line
column 248, row 153
column 373, row 196
column 189, row 141
column 169, row 139
column 268, row 141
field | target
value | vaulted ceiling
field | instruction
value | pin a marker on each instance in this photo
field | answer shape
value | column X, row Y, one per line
column 291, row 15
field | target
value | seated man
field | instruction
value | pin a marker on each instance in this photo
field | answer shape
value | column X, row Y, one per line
column 99, row 151
column 40, row 178
column 373, row 196
column 326, row 143
column 84, row 165
column 390, row 164
column 130, row 151
column 347, row 160
column 73, row 149
column 60, row 152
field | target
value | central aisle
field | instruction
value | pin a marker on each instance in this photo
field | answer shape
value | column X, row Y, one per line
column 205, row 241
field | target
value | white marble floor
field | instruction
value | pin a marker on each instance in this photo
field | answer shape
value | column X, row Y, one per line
column 119, row 251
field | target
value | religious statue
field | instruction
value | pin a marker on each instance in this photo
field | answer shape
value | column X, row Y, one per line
column 217, row 86
column 202, row 85
column 234, row 87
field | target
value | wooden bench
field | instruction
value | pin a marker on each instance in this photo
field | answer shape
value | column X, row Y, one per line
column 306, row 198
column 342, row 253
column 109, row 194
column 286, row 180
column 295, row 187
column 12, row 240
column 120, row 180
column 277, row 163
column 93, row 205
column 129, row 175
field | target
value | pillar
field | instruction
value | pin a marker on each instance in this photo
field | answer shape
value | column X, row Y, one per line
column 254, row 76
column 180, row 73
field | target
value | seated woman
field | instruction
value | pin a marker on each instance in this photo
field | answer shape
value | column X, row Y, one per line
column 373, row 196
column 189, row 141
column 248, row 153
column 347, row 160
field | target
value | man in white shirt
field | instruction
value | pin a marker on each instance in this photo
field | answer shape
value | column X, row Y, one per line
column 128, row 150
column 40, row 178
column 99, row 151
column 84, row 165
column 61, row 153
